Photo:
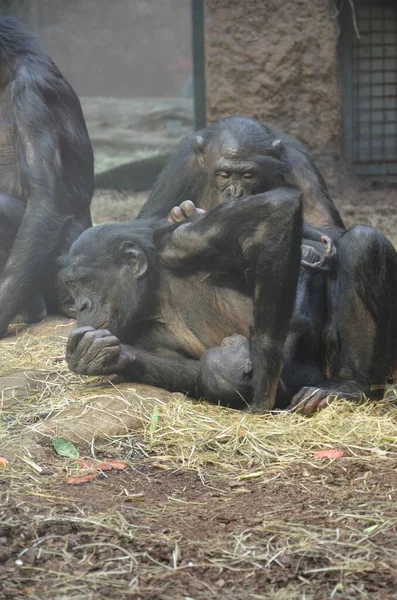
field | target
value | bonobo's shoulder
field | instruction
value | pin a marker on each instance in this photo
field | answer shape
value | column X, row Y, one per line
column 28, row 64
column 15, row 40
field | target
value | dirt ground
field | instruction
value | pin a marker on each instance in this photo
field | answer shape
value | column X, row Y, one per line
column 212, row 503
column 174, row 534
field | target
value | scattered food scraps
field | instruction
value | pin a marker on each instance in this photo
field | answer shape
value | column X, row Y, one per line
column 81, row 479
column 329, row 454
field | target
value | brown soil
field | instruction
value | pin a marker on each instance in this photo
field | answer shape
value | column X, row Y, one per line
column 156, row 532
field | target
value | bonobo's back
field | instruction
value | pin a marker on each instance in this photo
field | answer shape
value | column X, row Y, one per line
column 39, row 108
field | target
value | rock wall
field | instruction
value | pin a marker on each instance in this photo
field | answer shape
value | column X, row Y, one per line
column 276, row 61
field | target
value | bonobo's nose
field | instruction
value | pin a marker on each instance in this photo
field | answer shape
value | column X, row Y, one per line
column 234, row 192
column 83, row 304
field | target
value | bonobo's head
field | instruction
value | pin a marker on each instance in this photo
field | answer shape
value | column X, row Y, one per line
column 110, row 271
column 242, row 157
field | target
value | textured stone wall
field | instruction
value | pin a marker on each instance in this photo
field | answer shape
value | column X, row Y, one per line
column 276, row 60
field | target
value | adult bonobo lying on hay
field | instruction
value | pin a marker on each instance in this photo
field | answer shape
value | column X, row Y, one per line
column 46, row 173
column 173, row 306
column 235, row 158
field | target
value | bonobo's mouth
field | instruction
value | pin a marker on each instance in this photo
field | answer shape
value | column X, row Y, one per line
column 228, row 197
column 89, row 323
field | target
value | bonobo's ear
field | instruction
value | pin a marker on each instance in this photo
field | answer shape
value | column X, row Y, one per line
column 61, row 261
column 135, row 258
column 277, row 147
column 200, row 144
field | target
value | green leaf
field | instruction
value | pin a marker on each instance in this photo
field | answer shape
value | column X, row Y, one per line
column 65, row 448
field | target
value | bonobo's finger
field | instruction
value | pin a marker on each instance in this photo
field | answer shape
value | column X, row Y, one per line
column 176, row 215
column 103, row 362
column 299, row 396
column 326, row 402
column 310, row 400
column 188, row 208
column 89, row 338
column 310, row 405
column 95, row 350
column 101, row 343
column 329, row 244
column 74, row 338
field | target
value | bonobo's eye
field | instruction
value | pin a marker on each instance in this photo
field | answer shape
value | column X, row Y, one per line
column 223, row 175
column 248, row 176
column 71, row 284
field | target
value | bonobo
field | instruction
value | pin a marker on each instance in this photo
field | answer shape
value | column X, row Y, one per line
column 175, row 291
column 46, row 167
column 220, row 305
column 235, row 158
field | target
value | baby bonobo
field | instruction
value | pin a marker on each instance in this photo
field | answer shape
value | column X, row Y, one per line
column 155, row 304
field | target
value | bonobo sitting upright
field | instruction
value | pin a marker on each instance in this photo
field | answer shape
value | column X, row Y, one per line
column 235, row 158
column 151, row 301
column 46, row 175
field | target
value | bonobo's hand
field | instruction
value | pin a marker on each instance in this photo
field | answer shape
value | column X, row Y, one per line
column 184, row 211
column 311, row 259
column 92, row 351
column 310, row 399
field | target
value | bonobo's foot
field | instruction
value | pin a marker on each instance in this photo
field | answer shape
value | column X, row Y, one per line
column 312, row 260
column 3, row 329
column 311, row 399
column 35, row 309
column 92, row 351
column 184, row 211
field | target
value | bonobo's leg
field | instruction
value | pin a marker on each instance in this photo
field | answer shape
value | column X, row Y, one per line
column 11, row 214
column 258, row 238
column 225, row 376
column 361, row 335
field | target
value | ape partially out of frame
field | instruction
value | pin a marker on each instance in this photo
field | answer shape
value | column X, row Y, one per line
column 237, row 157
column 46, row 174
column 219, row 306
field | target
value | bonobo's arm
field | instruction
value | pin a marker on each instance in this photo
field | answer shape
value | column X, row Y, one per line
column 92, row 351
column 318, row 207
column 55, row 161
column 256, row 238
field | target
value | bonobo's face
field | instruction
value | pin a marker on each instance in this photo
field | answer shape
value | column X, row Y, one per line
column 238, row 172
column 105, row 273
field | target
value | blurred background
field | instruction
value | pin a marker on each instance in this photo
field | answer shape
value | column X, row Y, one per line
column 129, row 62
column 149, row 71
